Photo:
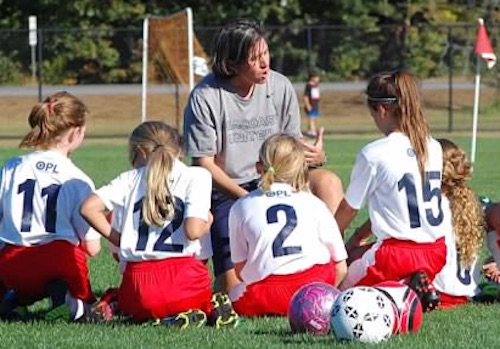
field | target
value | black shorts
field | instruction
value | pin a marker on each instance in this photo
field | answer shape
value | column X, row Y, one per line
column 221, row 204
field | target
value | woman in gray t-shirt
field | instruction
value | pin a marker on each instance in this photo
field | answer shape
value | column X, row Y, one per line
column 230, row 114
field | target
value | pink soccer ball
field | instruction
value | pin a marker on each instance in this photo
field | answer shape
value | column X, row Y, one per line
column 310, row 308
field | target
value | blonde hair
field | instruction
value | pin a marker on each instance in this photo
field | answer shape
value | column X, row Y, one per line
column 161, row 145
column 50, row 119
column 467, row 216
column 283, row 160
column 399, row 91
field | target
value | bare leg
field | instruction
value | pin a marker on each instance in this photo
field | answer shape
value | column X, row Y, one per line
column 327, row 186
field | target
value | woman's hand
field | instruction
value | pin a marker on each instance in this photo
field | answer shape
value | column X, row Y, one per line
column 314, row 153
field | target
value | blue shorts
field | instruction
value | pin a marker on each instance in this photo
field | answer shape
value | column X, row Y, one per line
column 313, row 113
column 221, row 204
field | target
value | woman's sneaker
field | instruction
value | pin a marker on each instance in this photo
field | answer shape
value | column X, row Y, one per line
column 223, row 314
column 191, row 318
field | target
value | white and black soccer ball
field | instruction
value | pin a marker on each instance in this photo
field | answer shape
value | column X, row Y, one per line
column 363, row 314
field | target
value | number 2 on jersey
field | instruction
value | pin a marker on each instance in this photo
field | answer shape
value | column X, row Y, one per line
column 160, row 244
column 290, row 224
column 407, row 183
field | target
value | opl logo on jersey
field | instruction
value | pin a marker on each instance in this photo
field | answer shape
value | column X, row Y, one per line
column 278, row 193
column 46, row 166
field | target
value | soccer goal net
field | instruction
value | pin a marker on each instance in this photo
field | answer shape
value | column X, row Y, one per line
column 173, row 61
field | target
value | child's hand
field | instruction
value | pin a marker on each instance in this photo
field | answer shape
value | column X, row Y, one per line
column 491, row 271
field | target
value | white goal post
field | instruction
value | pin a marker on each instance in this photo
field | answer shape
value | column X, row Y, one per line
column 169, row 43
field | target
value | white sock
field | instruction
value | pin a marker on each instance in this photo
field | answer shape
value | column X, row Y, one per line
column 76, row 307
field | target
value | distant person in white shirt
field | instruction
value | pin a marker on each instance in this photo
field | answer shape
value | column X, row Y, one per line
column 399, row 176
column 161, row 210
column 458, row 281
column 46, row 240
column 282, row 236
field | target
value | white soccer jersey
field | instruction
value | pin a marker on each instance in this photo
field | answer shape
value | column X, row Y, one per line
column 400, row 204
column 41, row 194
column 453, row 279
column 282, row 232
column 191, row 187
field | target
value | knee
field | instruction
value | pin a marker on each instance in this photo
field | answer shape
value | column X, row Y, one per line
column 327, row 186
column 321, row 179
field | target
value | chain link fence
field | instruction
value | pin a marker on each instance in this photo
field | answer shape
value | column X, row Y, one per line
column 443, row 56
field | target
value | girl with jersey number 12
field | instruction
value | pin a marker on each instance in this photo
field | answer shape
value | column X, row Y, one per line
column 399, row 176
column 46, row 240
column 282, row 236
column 161, row 211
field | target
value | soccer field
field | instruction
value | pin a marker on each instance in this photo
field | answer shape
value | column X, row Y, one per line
column 471, row 326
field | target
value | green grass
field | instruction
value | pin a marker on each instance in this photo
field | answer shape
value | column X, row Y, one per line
column 471, row 326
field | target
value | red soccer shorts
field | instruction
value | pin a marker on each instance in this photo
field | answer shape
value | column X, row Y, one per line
column 272, row 295
column 395, row 260
column 28, row 270
column 159, row 288
column 449, row 301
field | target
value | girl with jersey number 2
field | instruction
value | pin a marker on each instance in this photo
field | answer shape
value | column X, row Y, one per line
column 46, row 239
column 161, row 210
column 282, row 236
column 399, row 176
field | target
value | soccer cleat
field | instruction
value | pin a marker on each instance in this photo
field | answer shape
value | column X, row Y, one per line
column 425, row 291
column 101, row 312
column 10, row 309
column 191, row 318
column 223, row 314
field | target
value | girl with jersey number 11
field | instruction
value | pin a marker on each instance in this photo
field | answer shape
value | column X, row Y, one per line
column 46, row 239
column 399, row 176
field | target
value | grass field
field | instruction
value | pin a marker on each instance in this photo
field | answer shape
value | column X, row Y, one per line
column 472, row 326
column 341, row 111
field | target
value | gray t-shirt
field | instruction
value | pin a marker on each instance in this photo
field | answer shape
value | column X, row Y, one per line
column 220, row 123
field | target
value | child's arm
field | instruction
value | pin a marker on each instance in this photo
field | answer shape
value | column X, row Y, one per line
column 360, row 236
column 95, row 213
column 195, row 228
column 340, row 272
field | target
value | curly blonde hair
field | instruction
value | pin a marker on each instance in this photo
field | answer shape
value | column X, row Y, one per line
column 467, row 216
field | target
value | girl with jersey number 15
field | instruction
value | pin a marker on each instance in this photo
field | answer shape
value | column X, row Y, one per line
column 282, row 236
column 399, row 176
column 161, row 211
column 46, row 240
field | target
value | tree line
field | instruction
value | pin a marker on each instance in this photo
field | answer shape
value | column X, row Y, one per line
column 88, row 41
